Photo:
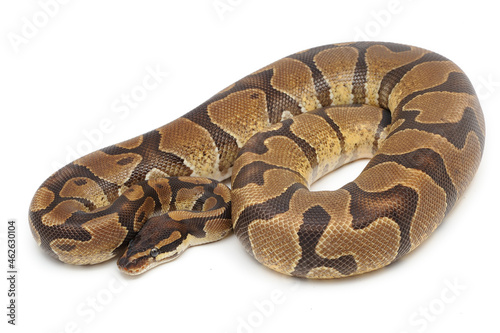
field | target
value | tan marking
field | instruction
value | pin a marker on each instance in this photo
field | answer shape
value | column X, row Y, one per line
column 85, row 188
column 195, row 180
column 107, row 234
column 168, row 256
column 62, row 212
column 442, row 106
column 246, row 107
column 338, row 65
column 139, row 255
column 223, row 191
column 275, row 243
column 42, row 199
column 395, row 125
column 217, row 229
column 372, row 247
column 143, row 213
column 179, row 136
column 180, row 215
column 155, row 174
column 112, row 168
column 286, row 115
column 186, row 198
column 134, row 193
column 132, row 143
column 420, row 77
column 294, row 78
column 209, row 204
column 380, row 60
column 325, row 273
column 186, row 243
column 172, row 238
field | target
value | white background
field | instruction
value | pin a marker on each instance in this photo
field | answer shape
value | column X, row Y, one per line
column 69, row 75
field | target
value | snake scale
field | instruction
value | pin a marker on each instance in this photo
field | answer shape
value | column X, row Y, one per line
column 275, row 132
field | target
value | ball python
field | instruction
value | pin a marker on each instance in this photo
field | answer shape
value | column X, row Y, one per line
column 275, row 132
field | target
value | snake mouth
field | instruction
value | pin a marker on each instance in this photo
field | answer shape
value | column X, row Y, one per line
column 133, row 267
column 142, row 264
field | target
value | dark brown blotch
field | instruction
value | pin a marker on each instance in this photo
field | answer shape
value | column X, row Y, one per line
column 263, row 211
column 254, row 173
column 398, row 203
column 125, row 161
column 425, row 160
column 80, row 182
column 316, row 219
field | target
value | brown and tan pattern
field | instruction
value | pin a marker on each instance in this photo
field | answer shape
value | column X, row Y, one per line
column 412, row 111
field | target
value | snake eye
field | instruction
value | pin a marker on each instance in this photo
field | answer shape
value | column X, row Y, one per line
column 154, row 252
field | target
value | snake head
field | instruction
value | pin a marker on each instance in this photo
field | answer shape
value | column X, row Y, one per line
column 160, row 240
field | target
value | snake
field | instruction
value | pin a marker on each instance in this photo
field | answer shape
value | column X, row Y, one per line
column 412, row 112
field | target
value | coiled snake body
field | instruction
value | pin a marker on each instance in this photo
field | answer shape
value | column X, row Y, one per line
column 412, row 111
